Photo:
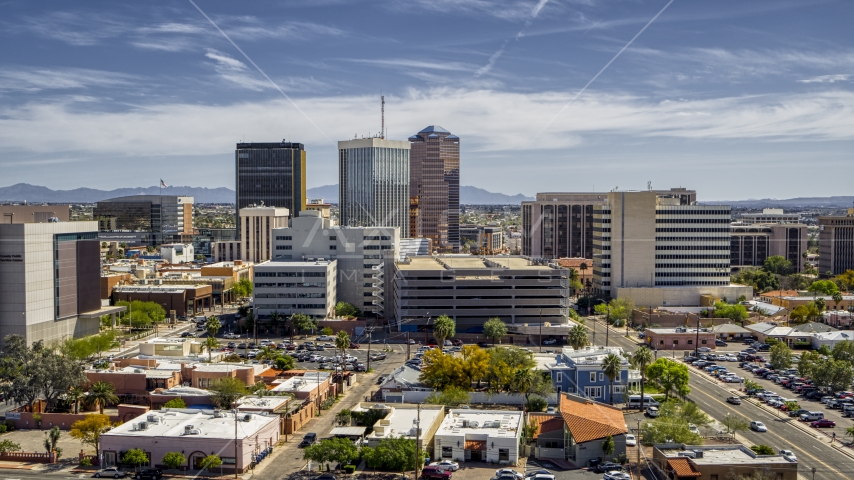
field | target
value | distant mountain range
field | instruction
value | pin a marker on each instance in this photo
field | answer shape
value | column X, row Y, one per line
column 329, row 193
column 826, row 202
column 36, row 194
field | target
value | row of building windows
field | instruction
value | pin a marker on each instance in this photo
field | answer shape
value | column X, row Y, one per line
column 692, row 257
column 290, row 274
column 690, row 239
column 691, row 265
column 692, row 247
column 290, row 295
column 686, row 283
column 288, row 237
column 293, row 285
column 378, row 238
column 691, row 212
column 692, row 229
column 692, row 220
column 284, row 247
column 692, row 274
column 285, row 306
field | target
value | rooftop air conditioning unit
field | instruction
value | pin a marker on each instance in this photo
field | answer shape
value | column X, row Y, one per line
column 153, row 418
column 247, row 418
column 143, row 425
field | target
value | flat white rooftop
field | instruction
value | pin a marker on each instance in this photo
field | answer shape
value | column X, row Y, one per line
column 305, row 383
column 253, row 403
column 737, row 454
column 204, row 424
column 502, row 423
column 401, row 421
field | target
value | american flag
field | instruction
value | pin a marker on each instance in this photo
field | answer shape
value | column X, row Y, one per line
column 163, row 184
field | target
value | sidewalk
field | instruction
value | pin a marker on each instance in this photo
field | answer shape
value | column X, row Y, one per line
column 288, row 457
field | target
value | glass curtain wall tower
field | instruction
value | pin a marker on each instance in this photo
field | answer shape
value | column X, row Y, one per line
column 272, row 174
column 434, row 187
column 373, row 184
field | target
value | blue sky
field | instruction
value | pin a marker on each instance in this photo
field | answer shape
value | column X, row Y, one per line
column 735, row 99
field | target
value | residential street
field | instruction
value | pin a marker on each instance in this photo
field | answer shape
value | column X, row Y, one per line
column 812, row 448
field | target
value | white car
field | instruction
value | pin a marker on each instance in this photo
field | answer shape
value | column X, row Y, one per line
column 111, row 472
column 325, row 338
column 446, row 465
column 549, row 341
column 788, row 455
column 758, row 426
column 693, row 428
column 652, row 412
column 631, row 441
column 616, row 475
column 733, row 379
column 508, row 472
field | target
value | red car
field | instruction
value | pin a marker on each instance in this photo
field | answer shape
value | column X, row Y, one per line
column 824, row 423
column 434, row 473
column 291, row 346
column 354, row 345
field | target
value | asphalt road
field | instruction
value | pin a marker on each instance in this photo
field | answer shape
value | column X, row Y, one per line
column 812, row 452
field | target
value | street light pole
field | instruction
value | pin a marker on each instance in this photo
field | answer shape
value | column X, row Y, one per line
column 541, row 330
column 607, row 324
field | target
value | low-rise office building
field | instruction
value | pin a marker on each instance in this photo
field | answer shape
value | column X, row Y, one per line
column 679, row 338
column 290, row 286
column 34, row 213
column 472, row 289
column 185, row 300
column 192, row 397
column 197, row 434
column 479, row 436
column 255, row 242
column 177, row 252
column 586, row 425
column 711, row 462
column 401, row 420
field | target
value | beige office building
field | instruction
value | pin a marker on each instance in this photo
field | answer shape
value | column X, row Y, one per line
column 34, row 213
column 752, row 244
column 836, row 244
column 256, row 243
column 658, row 248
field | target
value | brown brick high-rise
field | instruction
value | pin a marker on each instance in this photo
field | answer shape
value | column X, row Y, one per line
column 434, row 187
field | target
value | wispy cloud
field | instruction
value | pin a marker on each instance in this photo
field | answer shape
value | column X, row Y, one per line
column 73, row 28
column 827, row 79
column 498, row 53
column 512, row 10
column 418, row 64
column 28, row 79
column 234, row 71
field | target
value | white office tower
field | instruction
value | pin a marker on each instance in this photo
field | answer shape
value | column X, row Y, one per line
column 359, row 252
column 373, row 183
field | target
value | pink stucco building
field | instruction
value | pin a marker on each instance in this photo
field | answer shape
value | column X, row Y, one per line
column 196, row 434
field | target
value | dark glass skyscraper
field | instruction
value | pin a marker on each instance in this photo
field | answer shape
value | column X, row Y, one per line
column 272, row 174
column 434, row 187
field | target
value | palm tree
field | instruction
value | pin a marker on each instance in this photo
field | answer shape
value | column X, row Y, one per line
column 523, row 380
column 641, row 359
column 443, row 328
column 342, row 342
column 837, row 298
column 212, row 325
column 577, row 337
column 267, row 353
column 210, row 344
column 611, row 367
column 74, row 395
column 102, row 394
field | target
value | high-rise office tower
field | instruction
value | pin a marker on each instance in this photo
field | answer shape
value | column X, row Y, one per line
column 836, row 244
column 270, row 174
column 156, row 218
column 434, row 172
column 373, row 183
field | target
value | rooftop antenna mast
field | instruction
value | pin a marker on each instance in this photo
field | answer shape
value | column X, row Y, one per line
column 382, row 114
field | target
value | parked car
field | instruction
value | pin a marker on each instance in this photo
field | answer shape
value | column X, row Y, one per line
column 608, row 467
column 616, row 475
column 720, row 343
column 308, row 439
column 111, row 472
column 788, row 455
column 508, row 471
column 149, row 474
column 549, row 341
column 446, row 465
column 823, row 423
column 758, row 426
column 631, row 441
column 434, row 473
column 652, row 412
column 482, row 344
column 704, row 349
column 354, row 345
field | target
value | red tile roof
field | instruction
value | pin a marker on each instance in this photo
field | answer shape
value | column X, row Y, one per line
column 682, row 467
column 546, row 423
column 588, row 420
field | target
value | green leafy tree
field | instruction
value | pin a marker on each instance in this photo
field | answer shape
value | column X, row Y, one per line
column 734, row 424
column 781, row 356
column 759, row 279
column 641, row 359
column 89, row 430
column 343, row 418
column 7, row 446
column 243, row 288
column 226, row 390
column 617, row 310
column 843, row 350
column 173, row 460
column 103, row 342
column 396, row 454
column 102, row 394
column 344, row 309
column 666, row 430
column 762, row 449
column 495, row 329
column 326, row 331
column 285, row 362
column 686, row 411
column 529, row 430
column 444, row 328
column 669, row 376
column 450, row 397
column 608, row 446
column 175, row 403
column 778, row 265
column 792, row 406
column 135, row 457
column 612, row 365
column 74, row 396
column 823, row 287
column 751, row 385
column 808, row 363
column 302, row 322
column 735, row 312
column 210, row 462
column 536, row 403
column 577, row 337
column 804, row 313
column 824, row 350
column 849, row 432
column 334, row 450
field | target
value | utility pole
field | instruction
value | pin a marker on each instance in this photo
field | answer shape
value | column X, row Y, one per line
column 417, row 440
column 370, row 330
column 637, row 438
column 541, row 330
column 427, row 329
column 235, row 442
column 607, row 325
column 407, row 345
column 697, row 341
